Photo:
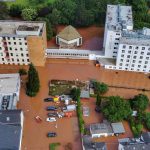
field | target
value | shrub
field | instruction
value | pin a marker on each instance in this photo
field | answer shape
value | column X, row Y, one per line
column 53, row 146
column 147, row 120
column 22, row 72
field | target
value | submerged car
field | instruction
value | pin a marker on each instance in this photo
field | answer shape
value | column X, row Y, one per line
column 51, row 134
column 51, row 108
column 50, row 99
column 51, row 119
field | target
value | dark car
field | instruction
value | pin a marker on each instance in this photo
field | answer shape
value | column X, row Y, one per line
column 51, row 134
column 97, row 109
column 51, row 108
column 52, row 115
column 50, row 99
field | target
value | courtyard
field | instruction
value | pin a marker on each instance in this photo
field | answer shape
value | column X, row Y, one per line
column 34, row 134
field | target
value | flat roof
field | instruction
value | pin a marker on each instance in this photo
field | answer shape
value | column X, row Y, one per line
column 9, row 83
column 118, row 17
column 118, row 127
column 98, row 128
column 107, row 61
column 9, row 27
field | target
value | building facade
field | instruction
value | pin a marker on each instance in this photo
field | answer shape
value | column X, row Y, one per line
column 22, row 43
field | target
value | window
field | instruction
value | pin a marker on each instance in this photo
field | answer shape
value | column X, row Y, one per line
column 12, row 59
column 21, row 49
column 147, row 58
column 117, row 33
column 14, row 38
column 20, row 43
column 123, row 51
column 128, row 56
column 25, row 38
column 10, row 48
column 132, row 65
column 148, row 53
column 27, row 55
column 8, row 38
column 2, row 59
column 25, row 43
column 146, row 62
column 143, row 48
column 115, row 47
column 127, row 65
column 127, row 60
column 21, row 54
column 121, row 60
column 141, row 57
column 129, row 52
column 14, row 43
column 120, row 64
column 140, row 61
column 116, row 38
column 122, row 55
column 135, row 52
column 23, row 60
column 28, row 60
column 145, row 66
column 139, row 66
column 17, row 60
column 130, row 47
column 133, row 61
column 124, row 46
column 116, row 43
column 9, row 42
column 11, row 54
column 142, row 53
column 137, row 47
column 134, row 57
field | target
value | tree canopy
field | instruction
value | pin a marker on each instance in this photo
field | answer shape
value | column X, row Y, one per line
column 33, row 84
column 139, row 102
column 29, row 14
column 116, row 109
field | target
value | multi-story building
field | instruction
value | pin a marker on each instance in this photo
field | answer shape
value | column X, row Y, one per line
column 9, row 91
column 118, row 19
column 125, row 49
column 22, row 42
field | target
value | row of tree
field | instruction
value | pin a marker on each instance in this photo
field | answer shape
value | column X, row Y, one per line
column 75, row 12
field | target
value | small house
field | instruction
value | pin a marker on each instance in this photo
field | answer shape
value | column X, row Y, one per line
column 69, row 38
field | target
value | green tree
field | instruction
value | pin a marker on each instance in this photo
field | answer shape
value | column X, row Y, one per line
column 98, row 100
column 116, row 109
column 33, row 84
column 29, row 14
column 3, row 10
column 15, row 10
column 139, row 102
column 75, row 92
column 100, row 88
column 147, row 120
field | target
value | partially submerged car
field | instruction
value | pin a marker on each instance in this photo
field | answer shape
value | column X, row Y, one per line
column 51, row 119
column 51, row 134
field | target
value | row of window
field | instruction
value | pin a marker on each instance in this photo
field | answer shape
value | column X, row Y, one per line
column 141, row 57
column 14, row 43
column 68, row 54
column 130, row 47
column 133, row 65
column 134, row 69
column 17, row 60
column 13, row 38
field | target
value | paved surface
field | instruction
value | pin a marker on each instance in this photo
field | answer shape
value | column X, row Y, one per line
column 34, row 136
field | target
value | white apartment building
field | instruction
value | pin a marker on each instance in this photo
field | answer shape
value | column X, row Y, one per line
column 125, row 49
column 9, row 91
column 19, row 41
column 118, row 18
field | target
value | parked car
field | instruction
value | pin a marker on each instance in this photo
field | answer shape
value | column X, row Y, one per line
column 52, row 115
column 50, row 99
column 51, row 134
column 97, row 109
column 51, row 108
column 51, row 119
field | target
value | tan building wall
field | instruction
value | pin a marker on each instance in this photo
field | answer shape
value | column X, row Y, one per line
column 36, row 47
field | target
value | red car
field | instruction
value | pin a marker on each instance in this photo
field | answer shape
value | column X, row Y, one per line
column 38, row 119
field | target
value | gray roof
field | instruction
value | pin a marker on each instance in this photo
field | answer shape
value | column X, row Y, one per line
column 89, row 145
column 146, row 137
column 118, row 127
column 98, row 128
column 69, row 33
column 10, row 129
column 137, row 146
column 85, row 94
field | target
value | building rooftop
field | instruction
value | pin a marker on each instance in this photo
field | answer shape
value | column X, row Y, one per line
column 89, row 145
column 9, row 83
column 104, row 127
column 107, row 61
column 69, row 33
column 118, row 127
column 119, row 17
column 10, row 129
column 146, row 137
column 20, row 28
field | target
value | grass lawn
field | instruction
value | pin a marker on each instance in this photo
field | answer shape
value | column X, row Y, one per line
column 53, row 146
column 26, row 2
